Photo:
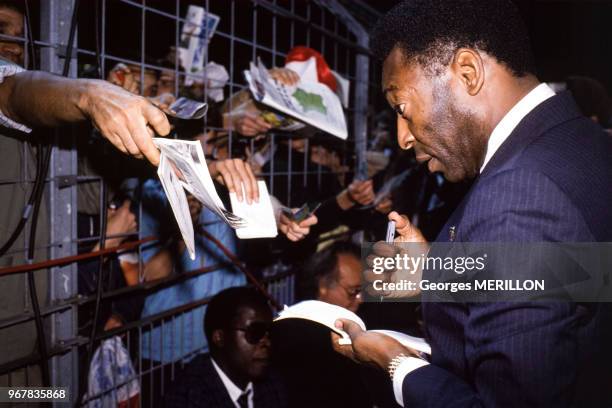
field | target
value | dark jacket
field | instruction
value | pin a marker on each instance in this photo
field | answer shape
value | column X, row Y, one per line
column 200, row 386
column 550, row 181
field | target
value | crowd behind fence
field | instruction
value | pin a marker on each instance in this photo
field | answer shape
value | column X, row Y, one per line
column 145, row 35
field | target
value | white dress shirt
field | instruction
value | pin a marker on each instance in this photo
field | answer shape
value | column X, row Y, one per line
column 499, row 135
column 511, row 119
column 232, row 389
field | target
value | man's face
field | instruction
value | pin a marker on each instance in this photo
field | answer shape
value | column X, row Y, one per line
column 149, row 88
column 346, row 290
column 11, row 23
column 128, row 77
column 444, row 133
column 165, row 83
column 250, row 359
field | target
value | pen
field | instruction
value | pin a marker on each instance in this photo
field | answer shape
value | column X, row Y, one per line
column 390, row 231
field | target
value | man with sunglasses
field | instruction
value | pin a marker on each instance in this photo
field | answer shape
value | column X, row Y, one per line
column 236, row 373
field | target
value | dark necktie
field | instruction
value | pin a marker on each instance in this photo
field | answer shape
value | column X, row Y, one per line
column 243, row 400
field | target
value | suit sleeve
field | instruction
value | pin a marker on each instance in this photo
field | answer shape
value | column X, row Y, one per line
column 517, row 353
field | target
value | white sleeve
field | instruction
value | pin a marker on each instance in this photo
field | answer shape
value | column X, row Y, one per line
column 8, row 69
column 403, row 369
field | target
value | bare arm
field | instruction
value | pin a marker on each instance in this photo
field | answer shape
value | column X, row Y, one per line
column 37, row 98
column 159, row 266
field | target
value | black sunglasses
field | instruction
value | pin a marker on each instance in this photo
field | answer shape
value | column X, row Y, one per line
column 255, row 331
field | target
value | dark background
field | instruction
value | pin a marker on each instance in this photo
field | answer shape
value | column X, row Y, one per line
column 571, row 37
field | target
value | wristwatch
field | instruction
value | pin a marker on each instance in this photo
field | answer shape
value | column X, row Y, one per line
column 395, row 362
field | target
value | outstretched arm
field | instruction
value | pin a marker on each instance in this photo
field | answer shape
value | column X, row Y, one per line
column 37, row 98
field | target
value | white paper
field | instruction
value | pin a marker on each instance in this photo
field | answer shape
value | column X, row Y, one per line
column 187, row 159
column 259, row 216
column 178, row 201
column 327, row 314
column 343, row 86
column 197, row 31
column 310, row 102
column 307, row 70
column 323, row 313
column 217, row 77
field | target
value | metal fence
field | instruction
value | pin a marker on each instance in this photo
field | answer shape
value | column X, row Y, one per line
column 106, row 29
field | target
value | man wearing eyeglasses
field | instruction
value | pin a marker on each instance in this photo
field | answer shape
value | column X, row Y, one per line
column 236, row 373
column 315, row 375
column 333, row 276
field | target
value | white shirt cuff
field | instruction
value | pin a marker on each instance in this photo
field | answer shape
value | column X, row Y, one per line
column 403, row 369
column 7, row 70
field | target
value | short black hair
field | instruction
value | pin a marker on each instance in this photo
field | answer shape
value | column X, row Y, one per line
column 323, row 266
column 430, row 31
column 223, row 308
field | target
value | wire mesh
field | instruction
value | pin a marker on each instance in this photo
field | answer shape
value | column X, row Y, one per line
column 142, row 35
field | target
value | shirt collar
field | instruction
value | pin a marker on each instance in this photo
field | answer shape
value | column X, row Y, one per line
column 522, row 108
column 233, row 390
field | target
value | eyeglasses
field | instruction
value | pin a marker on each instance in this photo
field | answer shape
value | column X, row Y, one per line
column 353, row 293
column 254, row 332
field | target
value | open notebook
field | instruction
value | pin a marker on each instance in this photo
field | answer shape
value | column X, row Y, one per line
column 327, row 314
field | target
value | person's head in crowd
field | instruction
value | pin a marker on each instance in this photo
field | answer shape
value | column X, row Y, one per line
column 236, row 325
column 166, row 82
column 592, row 98
column 11, row 24
column 333, row 275
column 129, row 77
column 451, row 71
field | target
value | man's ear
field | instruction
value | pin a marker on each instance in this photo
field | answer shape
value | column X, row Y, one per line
column 469, row 67
column 218, row 338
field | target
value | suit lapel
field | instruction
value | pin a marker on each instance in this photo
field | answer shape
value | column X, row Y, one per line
column 550, row 113
column 214, row 392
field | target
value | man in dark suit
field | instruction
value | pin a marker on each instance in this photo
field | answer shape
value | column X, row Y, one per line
column 235, row 374
column 461, row 78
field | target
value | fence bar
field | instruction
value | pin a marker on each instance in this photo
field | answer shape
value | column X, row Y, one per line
column 55, row 25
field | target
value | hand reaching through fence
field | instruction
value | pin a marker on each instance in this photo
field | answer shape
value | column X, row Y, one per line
column 120, row 221
column 250, row 124
column 121, row 76
column 237, row 176
column 285, row 76
column 128, row 121
column 296, row 231
column 358, row 192
column 361, row 191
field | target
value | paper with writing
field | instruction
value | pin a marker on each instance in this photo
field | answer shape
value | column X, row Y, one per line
column 308, row 101
column 183, row 167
